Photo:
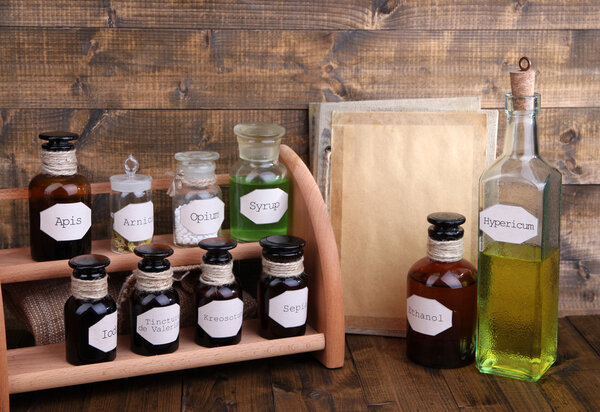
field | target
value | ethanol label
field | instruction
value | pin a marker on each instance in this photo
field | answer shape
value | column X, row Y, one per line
column 427, row 316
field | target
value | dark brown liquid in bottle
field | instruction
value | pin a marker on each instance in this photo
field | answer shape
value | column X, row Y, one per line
column 46, row 191
column 453, row 285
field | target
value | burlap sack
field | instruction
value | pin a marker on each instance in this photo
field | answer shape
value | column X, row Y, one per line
column 40, row 305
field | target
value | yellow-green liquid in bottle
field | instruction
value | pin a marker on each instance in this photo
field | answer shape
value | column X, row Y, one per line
column 518, row 310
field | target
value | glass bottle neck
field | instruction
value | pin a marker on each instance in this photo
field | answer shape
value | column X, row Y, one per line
column 521, row 135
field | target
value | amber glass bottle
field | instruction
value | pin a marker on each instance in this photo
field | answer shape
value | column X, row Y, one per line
column 282, row 293
column 154, row 303
column 218, row 296
column 59, row 202
column 90, row 313
column 442, row 299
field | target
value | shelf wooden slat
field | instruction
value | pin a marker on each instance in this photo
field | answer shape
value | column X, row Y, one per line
column 43, row 367
column 16, row 265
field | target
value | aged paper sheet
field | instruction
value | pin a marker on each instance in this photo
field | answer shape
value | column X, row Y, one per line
column 389, row 171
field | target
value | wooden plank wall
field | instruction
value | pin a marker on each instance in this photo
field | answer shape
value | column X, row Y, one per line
column 155, row 77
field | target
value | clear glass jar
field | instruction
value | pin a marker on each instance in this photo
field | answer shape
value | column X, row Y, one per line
column 198, row 208
column 519, row 239
column 259, row 185
column 131, row 209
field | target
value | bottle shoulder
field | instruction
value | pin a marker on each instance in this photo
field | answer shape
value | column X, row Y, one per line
column 446, row 274
column 533, row 171
column 48, row 183
column 258, row 172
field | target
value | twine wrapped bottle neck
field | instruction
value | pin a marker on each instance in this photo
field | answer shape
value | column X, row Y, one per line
column 283, row 270
column 217, row 275
column 59, row 163
column 153, row 281
column 445, row 251
column 89, row 289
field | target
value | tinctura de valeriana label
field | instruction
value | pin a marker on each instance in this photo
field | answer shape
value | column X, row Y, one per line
column 66, row 221
column 427, row 316
column 159, row 326
column 510, row 224
column 264, row 206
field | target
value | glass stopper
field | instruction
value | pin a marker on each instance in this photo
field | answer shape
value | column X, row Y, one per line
column 131, row 166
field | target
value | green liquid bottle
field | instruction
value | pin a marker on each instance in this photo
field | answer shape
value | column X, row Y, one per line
column 259, row 191
column 519, row 239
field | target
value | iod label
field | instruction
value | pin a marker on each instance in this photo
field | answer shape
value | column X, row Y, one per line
column 103, row 334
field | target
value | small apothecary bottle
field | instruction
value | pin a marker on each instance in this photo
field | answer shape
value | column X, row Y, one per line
column 154, row 303
column 218, row 296
column 131, row 208
column 441, row 307
column 90, row 313
column 259, row 187
column 60, row 216
column 198, row 208
column 282, row 293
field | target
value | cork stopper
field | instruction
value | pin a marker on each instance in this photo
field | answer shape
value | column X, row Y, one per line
column 522, row 84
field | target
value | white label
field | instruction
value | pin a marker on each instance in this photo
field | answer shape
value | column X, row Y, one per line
column 135, row 222
column 427, row 316
column 221, row 318
column 203, row 216
column 159, row 326
column 103, row 334
column 511, row 224
column 289, row 309
column 66, row 221
column 263, row 206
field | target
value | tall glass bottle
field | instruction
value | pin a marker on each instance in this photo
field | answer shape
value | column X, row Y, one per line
column 60, row 214
column 519, row 203
column 259, row 185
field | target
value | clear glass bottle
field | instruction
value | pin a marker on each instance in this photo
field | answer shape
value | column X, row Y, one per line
column 131, row 209
column 60, row 214
column 198, row 208
column 90, row 313
column 259, row 190
column 519, row 239
column 442, row 298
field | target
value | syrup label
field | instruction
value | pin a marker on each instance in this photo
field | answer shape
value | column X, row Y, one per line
column 511, row 224
column 203, row 216
column 159, row 326
column 103, row 334
column 289, row 309
column 221, row 318
column 427, row 316
column 264, row 206
column 66, row 221
column 135, row 222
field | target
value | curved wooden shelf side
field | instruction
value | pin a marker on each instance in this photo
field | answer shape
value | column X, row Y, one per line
column 310, row 221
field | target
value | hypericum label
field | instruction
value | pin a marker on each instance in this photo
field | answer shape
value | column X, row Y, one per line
column 135, row 222
column 103, row 334
column 290, row 308
column 264, row 206
column 511, row 224
column 203, row 216
column 66, row 221
column 159, row 326
column 427, row 316
column 221, row 318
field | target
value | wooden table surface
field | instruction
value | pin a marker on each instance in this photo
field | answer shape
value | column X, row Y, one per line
column 376, row 376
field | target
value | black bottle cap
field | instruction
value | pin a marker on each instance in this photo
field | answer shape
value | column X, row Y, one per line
column 446, row 226
column 217, row 250
column 282, row 246
column 153, row 257
column 58, row 141
column 88, row 267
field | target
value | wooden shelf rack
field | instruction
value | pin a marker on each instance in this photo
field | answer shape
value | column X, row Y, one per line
column 43, row 367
